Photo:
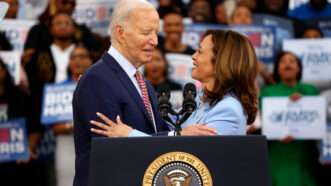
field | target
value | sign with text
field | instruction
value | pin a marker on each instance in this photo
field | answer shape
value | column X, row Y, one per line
column 263, row 38
column 13, row 62
column 302, row 119
column 95, row 14
column 16, row 31
column 180, row 68
column 57, row 106
column 325, row 153
column 13, row 141
column 316, row 58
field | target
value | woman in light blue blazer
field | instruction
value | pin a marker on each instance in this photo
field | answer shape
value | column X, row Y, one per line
column 226, row 65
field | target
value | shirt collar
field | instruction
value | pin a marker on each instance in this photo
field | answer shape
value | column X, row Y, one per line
column 126, row 65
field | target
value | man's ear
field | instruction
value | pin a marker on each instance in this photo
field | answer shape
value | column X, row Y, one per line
column 119, row 32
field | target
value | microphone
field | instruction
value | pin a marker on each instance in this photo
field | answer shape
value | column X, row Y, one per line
column 164, row 104
column 189, row 94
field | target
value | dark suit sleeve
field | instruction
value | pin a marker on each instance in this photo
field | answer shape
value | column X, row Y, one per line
column 90, row 97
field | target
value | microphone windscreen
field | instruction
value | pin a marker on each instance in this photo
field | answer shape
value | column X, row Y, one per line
column 189, row 87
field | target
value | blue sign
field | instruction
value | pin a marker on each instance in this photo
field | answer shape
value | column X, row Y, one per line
column 57, row 106
column 325, row 152
column 263, row 38
column 13, row 141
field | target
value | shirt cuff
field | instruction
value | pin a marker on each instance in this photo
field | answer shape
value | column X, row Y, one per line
column 137, row 133
column 171, row 133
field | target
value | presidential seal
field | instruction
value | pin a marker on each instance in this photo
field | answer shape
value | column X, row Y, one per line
column 177, row 169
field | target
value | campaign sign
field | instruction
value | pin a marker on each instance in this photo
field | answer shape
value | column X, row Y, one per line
column 95, row 14
column 325, row 153
column 180, row 68
column 13, row 141
column 57, row 103
column 12, row 60
column 302, row 119
column 263, row 38
column 16, row 31
column 284, row 27
column 316, row 58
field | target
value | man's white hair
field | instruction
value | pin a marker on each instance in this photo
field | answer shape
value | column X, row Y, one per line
column 122, row 10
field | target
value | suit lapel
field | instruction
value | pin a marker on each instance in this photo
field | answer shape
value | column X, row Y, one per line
column 127, row 83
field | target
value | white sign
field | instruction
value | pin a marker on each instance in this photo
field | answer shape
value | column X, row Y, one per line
column 95, row 14
column 302, row 119
column 316, row 58
column 16, row 31
column 12, row 60
column 180, row 68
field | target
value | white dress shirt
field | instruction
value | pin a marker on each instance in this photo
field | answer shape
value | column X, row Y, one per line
column 61, row 60
column 130, row 70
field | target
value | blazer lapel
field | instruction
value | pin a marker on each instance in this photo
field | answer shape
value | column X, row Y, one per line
column 127, row 83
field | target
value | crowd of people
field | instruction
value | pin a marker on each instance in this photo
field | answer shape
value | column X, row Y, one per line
column 59, row 50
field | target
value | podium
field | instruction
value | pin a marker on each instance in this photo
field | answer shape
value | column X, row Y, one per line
column 180, row 161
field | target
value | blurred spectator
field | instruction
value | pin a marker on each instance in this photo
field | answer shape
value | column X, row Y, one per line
column 251, row 4
column 312, row 33
column 166, row 6
column 201, row 11
column 80, row 61
column 49, row 65
column 221, row 14
column 39, row 36
column 157, row 73
column 297, row 168
column 4, row 42
column 242, row 15
column 275, row 7
column 315, row 9
column 14, row 104
column 173, row 28
column 13, row 9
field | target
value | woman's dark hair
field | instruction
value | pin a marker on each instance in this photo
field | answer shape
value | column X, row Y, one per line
column 235, row 65
column 276, row 75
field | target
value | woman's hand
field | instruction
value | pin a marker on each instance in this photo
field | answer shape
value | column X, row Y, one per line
column 198, row 130
column 110, row 128
column 287, row 139
column 295, row 97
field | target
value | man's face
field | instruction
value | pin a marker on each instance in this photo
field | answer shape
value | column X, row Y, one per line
column 138, row 37
column 173, row 27
column 62, row 27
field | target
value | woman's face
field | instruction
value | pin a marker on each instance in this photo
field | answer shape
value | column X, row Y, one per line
column 156, row 68
column 288, row 68
column 80, row 61
column 242, row 16
column 203, row 67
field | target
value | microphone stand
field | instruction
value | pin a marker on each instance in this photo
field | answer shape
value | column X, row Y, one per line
column 179, row 120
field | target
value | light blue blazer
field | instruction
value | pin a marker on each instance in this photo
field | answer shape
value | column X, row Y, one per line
column 227, row 116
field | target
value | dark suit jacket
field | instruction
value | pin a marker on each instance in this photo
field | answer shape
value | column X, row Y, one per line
column 106, row 88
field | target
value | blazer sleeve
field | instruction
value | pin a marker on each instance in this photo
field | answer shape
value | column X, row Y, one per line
column 227, row 118
column 91, row 97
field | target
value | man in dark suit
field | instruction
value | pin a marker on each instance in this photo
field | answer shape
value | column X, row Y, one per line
column 113, row 87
